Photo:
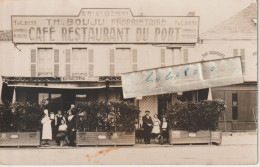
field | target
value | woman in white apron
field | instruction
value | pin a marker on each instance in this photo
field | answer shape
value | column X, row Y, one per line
column 46, row 128
column 156, row 127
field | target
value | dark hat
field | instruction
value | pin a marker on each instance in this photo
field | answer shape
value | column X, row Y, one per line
column 147, row 111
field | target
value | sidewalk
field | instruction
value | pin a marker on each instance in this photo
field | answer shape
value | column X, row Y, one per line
column 239, row 138
column 228, row 139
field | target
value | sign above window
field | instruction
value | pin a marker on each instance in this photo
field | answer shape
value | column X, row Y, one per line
column 105, row 26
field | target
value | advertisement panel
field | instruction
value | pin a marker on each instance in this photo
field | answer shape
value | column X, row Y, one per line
column 105, row 26
column 182, row 78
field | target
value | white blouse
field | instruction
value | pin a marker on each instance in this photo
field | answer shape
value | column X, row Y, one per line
column 164, row 125
column 63, row 127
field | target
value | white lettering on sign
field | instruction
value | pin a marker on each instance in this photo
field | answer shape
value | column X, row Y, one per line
column 192, row 135
column 14, row 136
column 213, row 53
column 102, row 137
column 104, row 26
column 182, row 78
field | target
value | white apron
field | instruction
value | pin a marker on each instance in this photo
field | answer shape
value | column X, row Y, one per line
column 46, row 128
column 156, row 126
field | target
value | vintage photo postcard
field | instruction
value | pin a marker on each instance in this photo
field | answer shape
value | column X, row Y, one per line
column 120, row 82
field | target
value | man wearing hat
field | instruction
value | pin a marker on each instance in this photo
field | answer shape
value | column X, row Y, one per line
column 71, row 123
column 147, row 125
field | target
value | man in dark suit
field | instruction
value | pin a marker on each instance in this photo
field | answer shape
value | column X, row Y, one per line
column 148, row 126
column 71, row 123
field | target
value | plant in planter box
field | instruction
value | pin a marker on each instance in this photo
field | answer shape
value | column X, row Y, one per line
column 125, row 115
column 195, row 116
column 107, row 117
column 6, row 117
column 110, row 123
column 92, row 116
column 195, row 122
column 21, row 122
column 27, row 117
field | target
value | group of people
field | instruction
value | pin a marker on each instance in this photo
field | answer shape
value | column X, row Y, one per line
column 153, row 127
column 65, row 128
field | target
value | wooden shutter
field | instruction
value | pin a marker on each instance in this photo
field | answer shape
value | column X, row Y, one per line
column 112, row 62
column 33, row 62
column 185, row 55
column 134, row 59
column 91, row 62
column 56, row 62
column 243, row 55
column 235, row 52
column 68, row 62
column 162, row 57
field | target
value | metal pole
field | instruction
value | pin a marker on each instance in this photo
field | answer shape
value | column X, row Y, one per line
column 254, row 117
column 225, row 123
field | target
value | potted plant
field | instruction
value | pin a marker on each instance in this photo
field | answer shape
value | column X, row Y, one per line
column 20, row 124
column 101, row 123
column 195, row 122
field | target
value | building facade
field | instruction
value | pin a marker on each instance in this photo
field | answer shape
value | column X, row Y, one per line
column 41, row 65
column 86, row 57
column 236, row 36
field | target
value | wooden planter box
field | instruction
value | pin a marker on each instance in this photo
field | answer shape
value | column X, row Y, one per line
column 202, row 136
column 20, row 139
column 105, row 138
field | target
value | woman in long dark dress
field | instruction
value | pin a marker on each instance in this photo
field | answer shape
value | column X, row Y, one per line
column 62, row 132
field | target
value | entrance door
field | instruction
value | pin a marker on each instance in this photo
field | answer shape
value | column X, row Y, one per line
column 55, row 103
column 68, row 98
column 163, row 101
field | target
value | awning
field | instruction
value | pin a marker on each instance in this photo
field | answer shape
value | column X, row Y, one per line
column 60, row 83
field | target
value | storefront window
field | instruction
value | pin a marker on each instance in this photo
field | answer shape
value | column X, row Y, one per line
column 43, row 97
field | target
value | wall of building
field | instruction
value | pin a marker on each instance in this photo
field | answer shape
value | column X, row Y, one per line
column 10, row 61
column 148, row 56
column 218, row 49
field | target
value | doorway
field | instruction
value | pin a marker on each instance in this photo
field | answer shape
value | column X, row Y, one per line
column 68, row 98
column 163, row 102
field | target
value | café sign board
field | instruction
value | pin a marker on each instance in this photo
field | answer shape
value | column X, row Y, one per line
column 181, row 78
column 104, row 26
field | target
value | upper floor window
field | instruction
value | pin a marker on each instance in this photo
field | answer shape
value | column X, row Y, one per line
column 79, row 62
column 123, row 61
column 45, row 62
column 173, row 56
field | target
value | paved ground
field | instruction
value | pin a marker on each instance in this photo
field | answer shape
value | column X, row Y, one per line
column 236, row 149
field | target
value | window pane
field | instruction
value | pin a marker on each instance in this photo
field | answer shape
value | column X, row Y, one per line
column 42, row 96
column 123, row 61
column 79, row 62
column 177, row 56
column 45, row 62
column 234, row 96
